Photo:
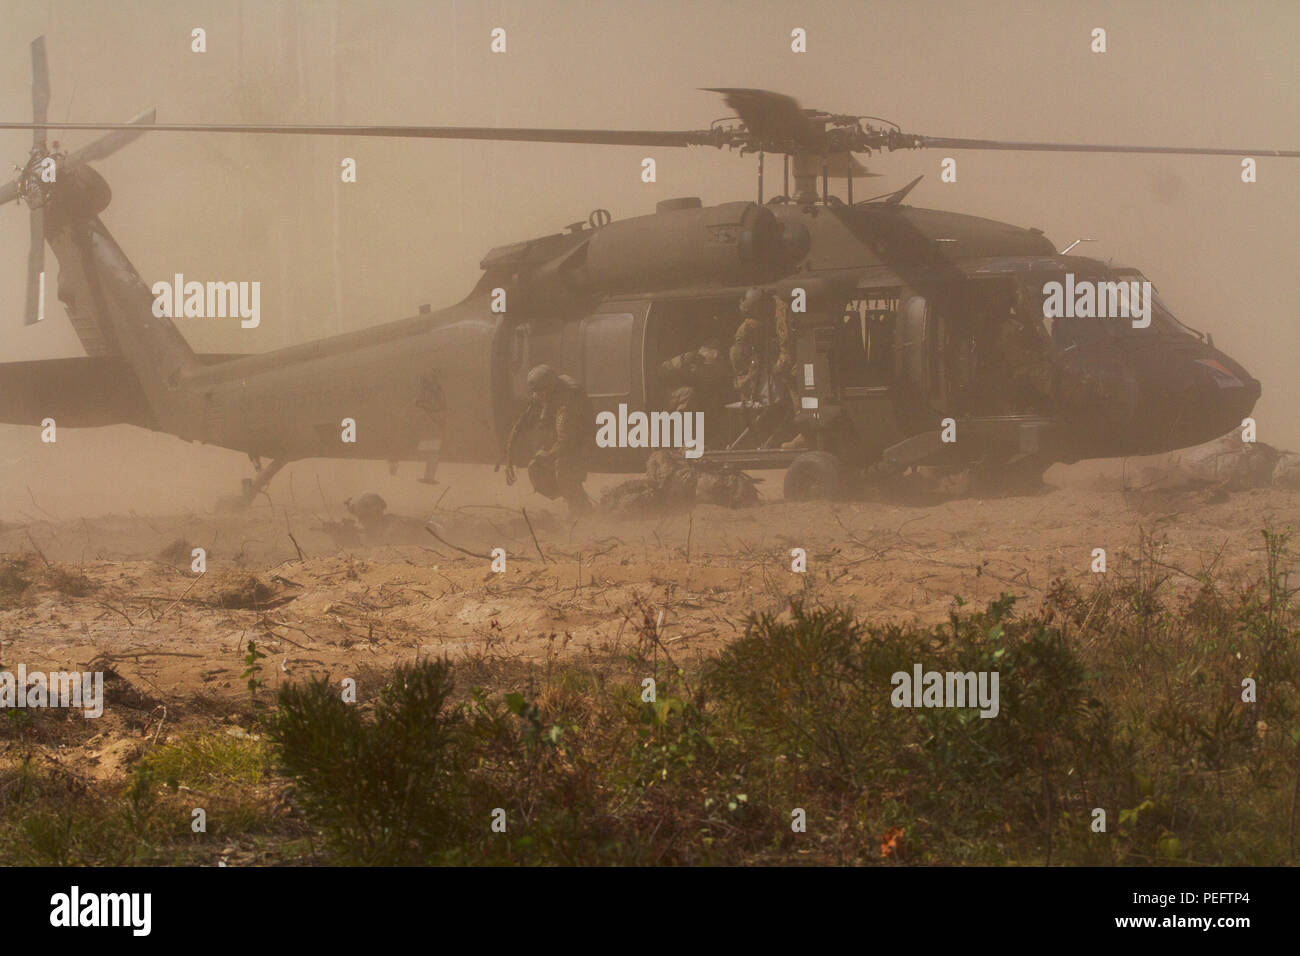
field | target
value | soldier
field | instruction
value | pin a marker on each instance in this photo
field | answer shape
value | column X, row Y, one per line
column 699, row 378
column 761, row 354
column 673, row 482
column 1023, row 359
column 558, row 406
column 369, row 510
column 762, row 358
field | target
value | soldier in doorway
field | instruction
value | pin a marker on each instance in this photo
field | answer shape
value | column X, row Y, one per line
column 761, row 354
column 558, row 407
column 762, row 359
column 700, row 378
column 1018, row 377
column 1024, row 358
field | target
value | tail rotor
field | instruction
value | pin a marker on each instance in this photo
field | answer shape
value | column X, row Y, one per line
column 36, row 183
column 34, row 309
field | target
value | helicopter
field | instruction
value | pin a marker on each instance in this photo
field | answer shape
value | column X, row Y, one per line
column 898, row 361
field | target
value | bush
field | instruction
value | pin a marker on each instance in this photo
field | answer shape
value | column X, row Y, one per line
column 384, row 790
column 14, row 579
column 1119, row 699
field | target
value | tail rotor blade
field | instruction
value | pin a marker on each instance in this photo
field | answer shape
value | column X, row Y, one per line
column 40, row 89
column 35, row 309
column 110, row 143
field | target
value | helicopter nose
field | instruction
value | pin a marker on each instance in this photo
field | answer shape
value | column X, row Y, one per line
column 1198, row 395
column 1227, row 392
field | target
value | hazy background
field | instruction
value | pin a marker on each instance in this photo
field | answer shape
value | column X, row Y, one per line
column 333, row 257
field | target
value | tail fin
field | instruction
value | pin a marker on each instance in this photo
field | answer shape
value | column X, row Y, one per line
column 112, row 311
column 96, row 339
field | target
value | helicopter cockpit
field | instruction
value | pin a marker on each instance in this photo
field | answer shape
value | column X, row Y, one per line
column 1108, row 316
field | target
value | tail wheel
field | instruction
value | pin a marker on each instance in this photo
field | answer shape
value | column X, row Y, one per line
column 814, row 476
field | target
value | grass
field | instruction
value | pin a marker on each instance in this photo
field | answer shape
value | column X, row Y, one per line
column 1125, row 701
column 68, row 582
column 1165, row 701
column 178, row 554
column 52, row 816
column 16, row 574
column 20, row 573
column 209, row 761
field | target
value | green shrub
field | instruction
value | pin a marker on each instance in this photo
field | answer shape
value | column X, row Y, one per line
column 1115, row 698
column 384, row 790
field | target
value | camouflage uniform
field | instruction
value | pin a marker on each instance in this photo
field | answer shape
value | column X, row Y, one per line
column 700, row 378
column 731, row 489
column 762, row 355
column 559, row 467
column 1028, row 368
column 369, row 510
column 673, row 483
column 1286, row 473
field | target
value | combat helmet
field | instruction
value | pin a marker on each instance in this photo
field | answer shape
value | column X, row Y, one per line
column 542, row 379
column 754, row 303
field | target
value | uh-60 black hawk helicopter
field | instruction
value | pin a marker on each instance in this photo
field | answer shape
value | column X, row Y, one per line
column 900, row 332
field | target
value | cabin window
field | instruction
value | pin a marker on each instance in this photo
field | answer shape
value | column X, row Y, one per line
column 607, row 364
column 867, row 339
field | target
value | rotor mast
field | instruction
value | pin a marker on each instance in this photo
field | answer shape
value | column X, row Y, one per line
column 807, row 169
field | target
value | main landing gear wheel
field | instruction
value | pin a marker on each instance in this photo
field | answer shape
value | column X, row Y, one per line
column 814, row 476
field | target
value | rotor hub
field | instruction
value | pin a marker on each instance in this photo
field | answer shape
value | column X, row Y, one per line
column 35, row 183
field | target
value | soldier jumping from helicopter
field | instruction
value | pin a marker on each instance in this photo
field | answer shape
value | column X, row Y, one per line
column 559, row 468
column 762, row 359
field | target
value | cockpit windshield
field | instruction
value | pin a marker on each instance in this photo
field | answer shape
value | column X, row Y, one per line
column 1081, row 310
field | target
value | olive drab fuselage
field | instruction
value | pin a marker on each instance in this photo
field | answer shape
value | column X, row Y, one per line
column 886, row 305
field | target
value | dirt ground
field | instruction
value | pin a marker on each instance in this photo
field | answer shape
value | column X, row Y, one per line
column 352, row 601
column 320, row 596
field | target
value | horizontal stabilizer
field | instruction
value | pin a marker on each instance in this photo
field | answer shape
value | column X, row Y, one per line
column 82, row 392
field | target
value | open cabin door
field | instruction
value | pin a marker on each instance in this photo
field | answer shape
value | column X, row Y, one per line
column 920, row 394
column 604, row 351
column 601, row 351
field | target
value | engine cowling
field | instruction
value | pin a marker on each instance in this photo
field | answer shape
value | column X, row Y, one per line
column 730, row 244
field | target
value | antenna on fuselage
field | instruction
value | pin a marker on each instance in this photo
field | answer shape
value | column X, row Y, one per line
column 1067, row 249
column 896, row 197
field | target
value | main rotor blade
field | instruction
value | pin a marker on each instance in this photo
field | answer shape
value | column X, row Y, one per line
column 604, row 137
column 40, row 89
column 34, row 309
column 949, row 143
column 771, row 117
column 597, row 137
column 110, row 143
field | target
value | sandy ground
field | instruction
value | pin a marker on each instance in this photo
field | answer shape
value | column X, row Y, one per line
column 352, row 604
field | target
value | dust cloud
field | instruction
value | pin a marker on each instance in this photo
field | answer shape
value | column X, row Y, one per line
column 333, row 258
